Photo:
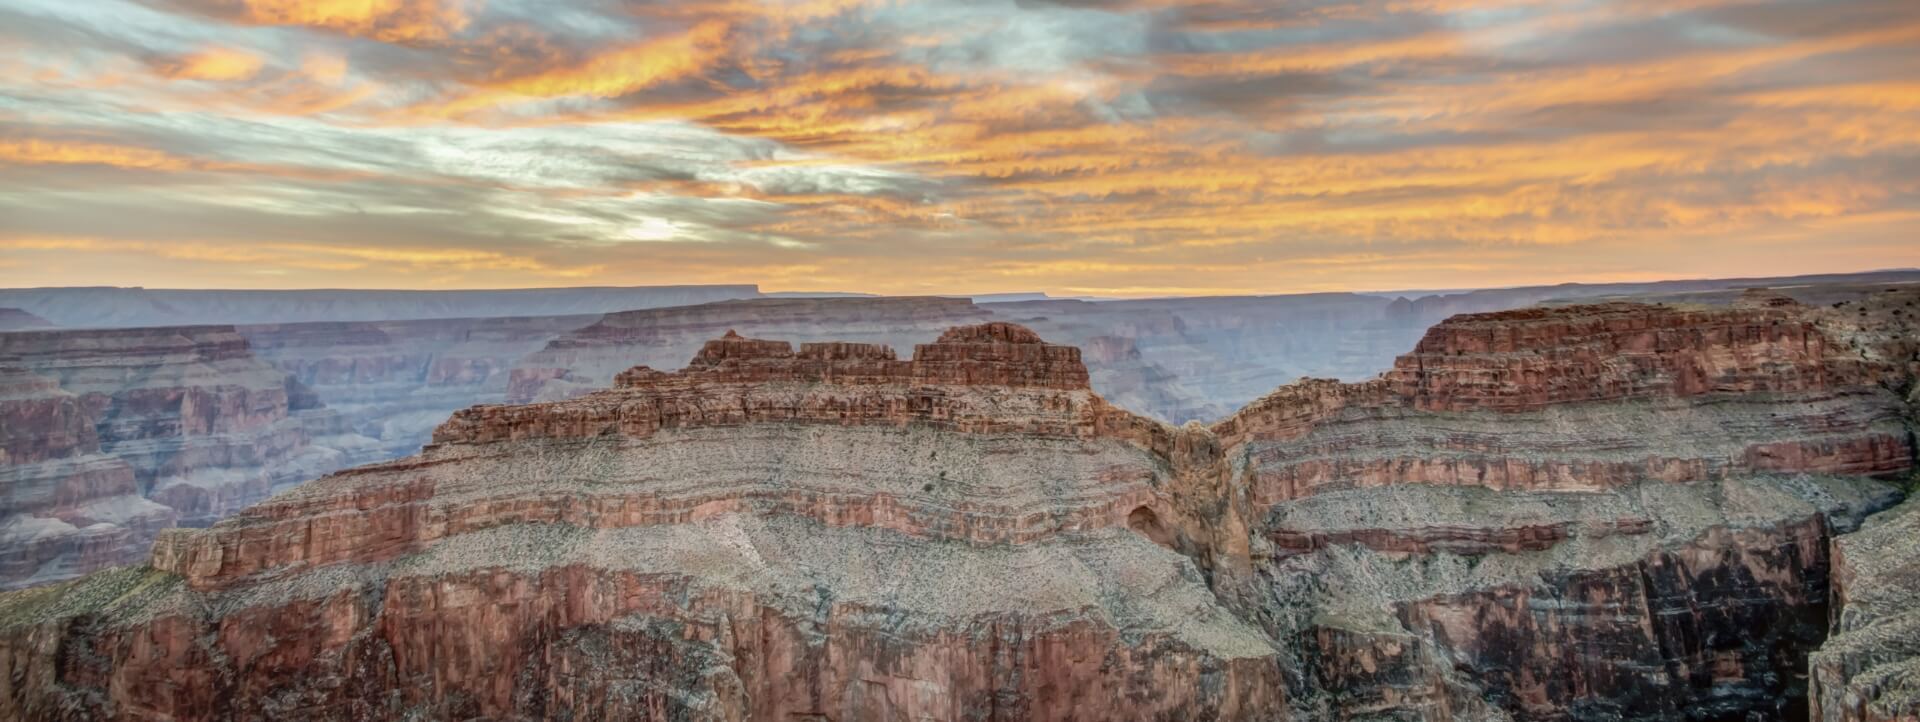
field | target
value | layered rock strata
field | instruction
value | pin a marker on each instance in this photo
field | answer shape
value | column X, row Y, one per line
column 828, row 532
column 840, row 531
column 111, row 435
column 1869, row 670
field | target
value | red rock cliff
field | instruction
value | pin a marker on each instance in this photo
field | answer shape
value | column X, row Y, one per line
column 1563, row 398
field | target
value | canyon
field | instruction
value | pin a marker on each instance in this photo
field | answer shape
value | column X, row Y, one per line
column 1617, row 510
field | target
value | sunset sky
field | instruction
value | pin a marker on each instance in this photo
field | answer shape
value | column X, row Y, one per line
column 1087, row 147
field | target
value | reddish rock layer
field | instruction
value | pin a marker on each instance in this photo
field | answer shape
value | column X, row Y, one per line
column 736, row 380
column 1705, row 631
column 1562, row 398
column 1532, row 358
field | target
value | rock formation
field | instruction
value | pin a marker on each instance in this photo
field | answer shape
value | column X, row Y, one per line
column 1177, row 359
column 1869, row 670
column 587, row 359
column 111, row 435
column 1612, row 511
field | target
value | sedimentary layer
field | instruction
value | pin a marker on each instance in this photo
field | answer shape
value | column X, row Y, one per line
column 1869, row 670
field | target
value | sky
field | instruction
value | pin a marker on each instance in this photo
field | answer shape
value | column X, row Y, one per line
column 1080, row 147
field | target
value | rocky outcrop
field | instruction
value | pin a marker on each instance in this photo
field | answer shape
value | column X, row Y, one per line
column 587, row 359
column 1564, row 398
column 112, row 435
column 1869, row 669
column 841, row 531
column 393, row 381
column 1205, row 357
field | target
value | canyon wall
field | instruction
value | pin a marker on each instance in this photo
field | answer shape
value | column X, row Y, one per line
column 1869, row 669
column 1613, row 511
column 111, row 435
column 1610, row 511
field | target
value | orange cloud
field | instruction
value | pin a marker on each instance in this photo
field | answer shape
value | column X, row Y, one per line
column 41, row 152
column 1509, row 139
column 632, row 68
column 385, row 20
column 214, row 63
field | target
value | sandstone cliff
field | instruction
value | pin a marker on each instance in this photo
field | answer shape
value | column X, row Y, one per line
column 1612, row 511
column 111, row 435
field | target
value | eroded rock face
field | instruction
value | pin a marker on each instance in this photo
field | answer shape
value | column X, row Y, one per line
column 1566, row 398
column 112, row 435
column 841, row 531
column 1869, row 670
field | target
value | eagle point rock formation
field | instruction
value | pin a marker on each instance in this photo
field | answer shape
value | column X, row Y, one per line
column 1611, row 511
